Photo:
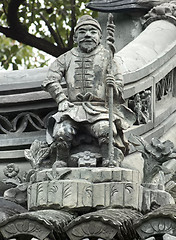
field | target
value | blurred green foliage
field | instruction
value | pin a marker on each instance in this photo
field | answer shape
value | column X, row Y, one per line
column 52, row 20
column 14, row 54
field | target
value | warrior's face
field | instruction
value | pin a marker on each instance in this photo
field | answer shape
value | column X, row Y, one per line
column 88, row 38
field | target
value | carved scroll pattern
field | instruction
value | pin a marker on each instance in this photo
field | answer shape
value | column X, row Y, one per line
column 24, row 122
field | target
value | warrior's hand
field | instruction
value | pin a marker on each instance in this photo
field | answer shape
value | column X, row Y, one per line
column 64, row 105
column 110, row 80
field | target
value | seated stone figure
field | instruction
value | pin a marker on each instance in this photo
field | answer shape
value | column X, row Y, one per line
column 83, row 109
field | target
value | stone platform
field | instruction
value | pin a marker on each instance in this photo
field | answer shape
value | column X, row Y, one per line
column 85, row 188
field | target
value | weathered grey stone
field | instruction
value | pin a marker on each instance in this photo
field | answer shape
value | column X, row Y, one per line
column 154, row 197
column 38, row 224
column 87, row 112
column 168, row 237
column 81, row 189
column 140, row 65
column 95, row 175
column 96, row 224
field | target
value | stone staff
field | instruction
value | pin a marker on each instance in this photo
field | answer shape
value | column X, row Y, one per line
column 110, row 44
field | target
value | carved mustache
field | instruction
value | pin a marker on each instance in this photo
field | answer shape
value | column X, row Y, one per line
column 88, row 39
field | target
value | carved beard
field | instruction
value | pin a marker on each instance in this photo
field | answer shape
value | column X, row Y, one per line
column 86, row 47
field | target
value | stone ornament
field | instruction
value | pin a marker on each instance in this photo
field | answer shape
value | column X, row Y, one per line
column 37, row 153
column 164, row 87
column 155, row 154
column 82, row 189
column 86, row 159
column 163, row 11
column 159, row 172
column 159, row 222
column 104, row 224
column 82, row 121
column 140, row 104
column 76, row 188
column 22, row 122
column 44, row 224
column 11, row 171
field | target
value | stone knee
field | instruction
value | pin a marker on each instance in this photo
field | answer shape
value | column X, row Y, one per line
column 63, row 131
column 100, row 130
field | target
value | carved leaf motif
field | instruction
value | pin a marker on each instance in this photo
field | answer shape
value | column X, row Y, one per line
column 53, row 189
column 40, row 188
column 94, row 229
column 155, row 225
column 25, row 226
column 42, row 154
column 55, row 175
column 63, row 174
column 129, row 187
column 37, row 153
column 147, row 228
column 88, row 191
column 28, row 155
column 114, row 190
column 49, row 175
column 32, row 227
column 87, row 195
column 78, row 232
column 11, row 228
column 19, row 226
column 35, row 146
column 87, row 230
column 138, row 143
column 67, row 191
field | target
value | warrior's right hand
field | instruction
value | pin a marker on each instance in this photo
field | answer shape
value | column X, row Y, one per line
column 64, row 105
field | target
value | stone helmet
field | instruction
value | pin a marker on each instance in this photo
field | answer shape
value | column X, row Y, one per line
column 86, row 20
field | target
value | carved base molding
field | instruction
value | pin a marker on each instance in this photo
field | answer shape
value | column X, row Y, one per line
column 97, row 188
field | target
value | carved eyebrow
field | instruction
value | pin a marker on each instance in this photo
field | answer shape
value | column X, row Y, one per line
column 92, row 28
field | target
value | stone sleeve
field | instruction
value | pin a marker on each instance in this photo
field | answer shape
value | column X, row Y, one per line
column 54, row 76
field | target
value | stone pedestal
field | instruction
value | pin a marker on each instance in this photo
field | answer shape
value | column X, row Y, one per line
column 85, row 188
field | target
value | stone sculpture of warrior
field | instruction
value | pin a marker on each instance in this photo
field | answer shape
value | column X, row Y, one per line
column 84, row 105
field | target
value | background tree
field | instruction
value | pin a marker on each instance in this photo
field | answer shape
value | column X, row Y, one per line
column 28, row 26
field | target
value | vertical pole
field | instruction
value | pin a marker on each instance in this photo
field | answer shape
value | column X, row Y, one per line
column 110, row 43
column 111, row 147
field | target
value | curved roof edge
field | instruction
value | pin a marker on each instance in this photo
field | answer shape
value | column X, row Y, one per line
column 117, row 5
column 148, row 52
